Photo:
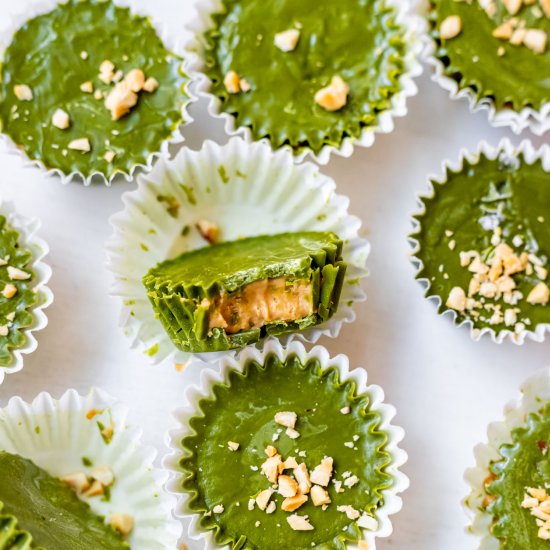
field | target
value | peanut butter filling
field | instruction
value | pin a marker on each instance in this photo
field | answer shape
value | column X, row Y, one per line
column 260, row 303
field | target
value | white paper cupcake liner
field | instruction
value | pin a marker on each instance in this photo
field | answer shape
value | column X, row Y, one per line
column 415, row 37
column 170, row 43
column 56, row 435
column 201, row 377
column 265, row 193
column 27, row 228
column 533, row 394
column 505, row 149
column 537, row 122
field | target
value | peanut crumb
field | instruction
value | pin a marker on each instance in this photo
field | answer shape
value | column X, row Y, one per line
column 334, row 96
column 287, row 40
column 450, row 27
column 23, row 92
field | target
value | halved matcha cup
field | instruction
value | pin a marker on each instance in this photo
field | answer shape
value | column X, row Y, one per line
column 239, row 190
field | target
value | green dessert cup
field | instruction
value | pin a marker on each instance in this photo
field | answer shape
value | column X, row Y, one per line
column 238, row 193
column 482, row 245
column 227, row 295
column 50, row 513
column 285, row 448
column 266, row 66
column 23, row 291
column 496, row 54
column 83, row 107
column 72, row 469
column 510, row 497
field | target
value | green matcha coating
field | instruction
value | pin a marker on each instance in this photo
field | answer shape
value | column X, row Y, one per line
column 24, row 299
column 243, row 411
column 525, row 463
column 356, row 39
column 45, row 55
column 11, row 537
column 520, row 191
column 517, row 79
column 176, row 287
column 49, row 510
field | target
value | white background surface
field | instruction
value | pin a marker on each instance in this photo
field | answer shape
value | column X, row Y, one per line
column 446, row 387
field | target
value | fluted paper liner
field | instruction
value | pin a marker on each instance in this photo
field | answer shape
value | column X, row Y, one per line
column 505, row 149
column 57, row 434
column 27, row 228
column 414, row 36
column 42, row 7
column 247, row 190
column 534, row 392
column 202, row 377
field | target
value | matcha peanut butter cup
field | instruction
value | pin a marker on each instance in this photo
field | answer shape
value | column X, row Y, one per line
column 314, row 79
column 482, row 244
column 285, row 448
column 23, row 291
column 496, row 53
column 75, row 475
column 223, row 247
column 509, row 502
column 84, row 107
column 227, row 295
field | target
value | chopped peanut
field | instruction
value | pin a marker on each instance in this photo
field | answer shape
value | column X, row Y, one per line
column 299, row 523
column 9, row 291
column 287, row 41
column 23, row 92
column 61, row 120
column 123, row 523
column 334, row 96
column 539, row 295
column 209, row 230
column 321, row 474
column 78, row 482
column 120, row 100
column 262, row 499
column 450, row 27
column 536, row 40
column 87, row 87
column 16, row 274
column 135, row 80
column 319, row 496
column 82, row 144
column 104, row 475
column 232, row 82
column 150, row 85
column 233, row 446
column 291, row 504
column 288, row 487
column 302, row 477
column 287, row 419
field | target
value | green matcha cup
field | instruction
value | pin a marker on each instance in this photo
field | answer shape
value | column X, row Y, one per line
column 203, row 378
column 479, row 99
column 246, row 190
column 534, row 396
column 27, row 240
column 76, row 433
column 438, row 232
column 107, row 136
column 197, row 66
